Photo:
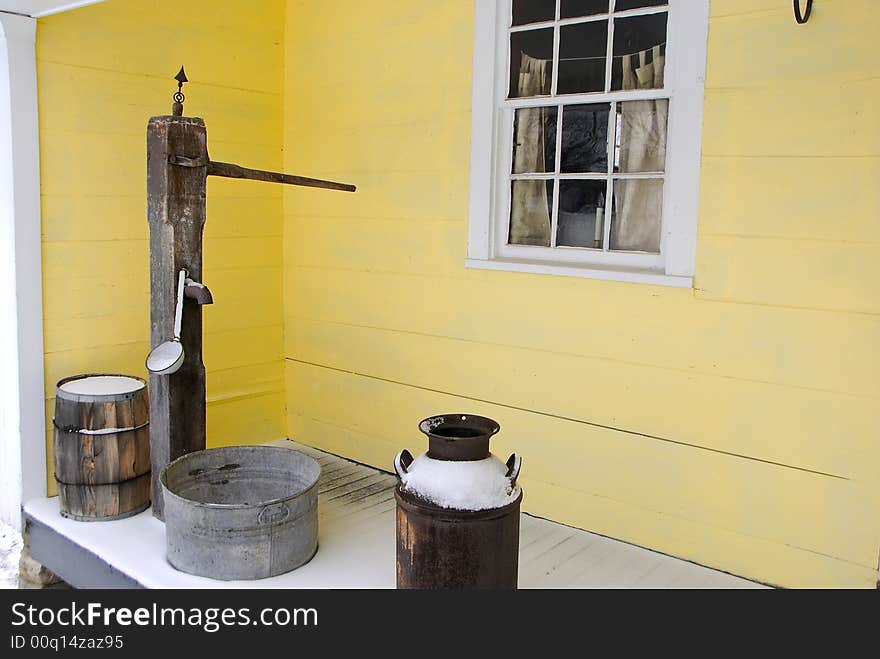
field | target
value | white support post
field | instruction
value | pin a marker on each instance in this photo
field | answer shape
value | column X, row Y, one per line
column 22, row 395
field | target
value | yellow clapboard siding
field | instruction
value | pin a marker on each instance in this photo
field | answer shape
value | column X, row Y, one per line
column 647, row 325
column 95, row 332
column 125, row 358
column 389, row 148
column 232, row 353
column 236, row 46
column 116, row 165
column 239, row 348
column 229, row 217
column 766, row 48
column 759, row 271
column 721, row 8
column 89, row 217
column 223, row 386
column 768, row 422
column 246, row 297
column 417, row 195
column 432, row 247
column 235, row 348
column 762, row 560
column 841, row 276
column 782, row 122
column 740, row 495
column 242, row 252
column 130, row 258
column 791, row 198
column 238, row 115
column 248, row 420
column 245, row 381
column 388, row 44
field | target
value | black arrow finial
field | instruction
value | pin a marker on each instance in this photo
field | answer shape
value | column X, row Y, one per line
column 179, row 98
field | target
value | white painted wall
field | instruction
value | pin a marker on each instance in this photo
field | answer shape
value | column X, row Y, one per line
column 22, row 425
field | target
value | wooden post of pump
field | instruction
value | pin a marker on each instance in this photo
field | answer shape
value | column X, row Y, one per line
column 177, row 170
column 176, row 210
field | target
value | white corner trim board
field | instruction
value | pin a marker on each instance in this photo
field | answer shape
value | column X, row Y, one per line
column 22, row 397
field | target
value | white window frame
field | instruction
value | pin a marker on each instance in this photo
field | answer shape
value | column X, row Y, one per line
column 491, row 149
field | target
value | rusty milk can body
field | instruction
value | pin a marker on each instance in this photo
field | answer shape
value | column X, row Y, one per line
column 458, row 509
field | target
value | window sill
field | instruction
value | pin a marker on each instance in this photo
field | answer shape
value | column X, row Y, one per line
column 566, row 270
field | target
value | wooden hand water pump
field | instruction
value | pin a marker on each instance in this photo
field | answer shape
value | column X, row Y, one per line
column 178, row 167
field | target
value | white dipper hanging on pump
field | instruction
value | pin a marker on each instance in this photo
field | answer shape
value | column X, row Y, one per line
column 454, row 473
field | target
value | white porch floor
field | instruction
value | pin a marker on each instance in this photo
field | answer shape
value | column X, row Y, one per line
column 356, row 536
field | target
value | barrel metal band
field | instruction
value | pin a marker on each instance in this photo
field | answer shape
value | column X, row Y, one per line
column 101, row 431
column 122, row 482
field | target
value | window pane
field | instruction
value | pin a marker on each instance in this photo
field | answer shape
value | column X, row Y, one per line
column 574, row 8
column 530, row 212
column 635, row 220
column 585, row 138
column 533, row 11
column 639, row 52
column 623, row 5
column 534, row 144
column 582, row 52
column 640, row 145
column 581, row 213
column 531, row 63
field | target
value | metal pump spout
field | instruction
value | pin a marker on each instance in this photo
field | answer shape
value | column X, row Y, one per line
column 198, row 292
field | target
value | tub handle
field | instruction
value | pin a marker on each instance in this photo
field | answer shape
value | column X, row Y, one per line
column 514, row 464
column 274, row 514
column 402, row 461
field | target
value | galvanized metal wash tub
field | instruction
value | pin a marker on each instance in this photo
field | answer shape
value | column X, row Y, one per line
column 241, row 512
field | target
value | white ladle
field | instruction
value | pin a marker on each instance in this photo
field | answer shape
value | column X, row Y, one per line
column 166, row 358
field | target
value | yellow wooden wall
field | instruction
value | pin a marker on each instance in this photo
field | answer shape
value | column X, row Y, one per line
column 102, row 72
column 734, row 424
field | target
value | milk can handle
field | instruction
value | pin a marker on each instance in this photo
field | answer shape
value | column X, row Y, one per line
column 402, row 461
column 514, row 464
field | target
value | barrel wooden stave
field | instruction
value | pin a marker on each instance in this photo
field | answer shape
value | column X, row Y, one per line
column 102, row 475
column 101, row 459
column 105, row 502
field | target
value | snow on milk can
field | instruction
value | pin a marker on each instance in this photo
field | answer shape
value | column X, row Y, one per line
column 457, row 509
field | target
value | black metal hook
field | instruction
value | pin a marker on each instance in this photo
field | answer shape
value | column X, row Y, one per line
column 798, row 16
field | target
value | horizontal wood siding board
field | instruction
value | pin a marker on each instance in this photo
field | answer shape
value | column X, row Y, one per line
column 768, row 422
column 790, row 121
column 755, row 43
column 651, row 326
column 790, row 199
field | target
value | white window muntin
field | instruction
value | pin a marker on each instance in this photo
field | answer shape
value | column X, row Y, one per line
column 492, row 139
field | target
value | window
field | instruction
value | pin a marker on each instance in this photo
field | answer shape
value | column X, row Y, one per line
column 585, row 153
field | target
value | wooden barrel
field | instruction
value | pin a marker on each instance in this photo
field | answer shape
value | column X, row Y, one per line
column 102, row 446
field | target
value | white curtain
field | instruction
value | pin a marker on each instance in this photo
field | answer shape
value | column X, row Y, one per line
column 529, row 215
column 643, row 131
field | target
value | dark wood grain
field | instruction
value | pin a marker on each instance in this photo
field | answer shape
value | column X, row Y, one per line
column 104, row 475
column 228, row 170
column 176, row 215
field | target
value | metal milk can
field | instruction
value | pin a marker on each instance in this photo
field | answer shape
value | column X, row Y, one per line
column 457, row 509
